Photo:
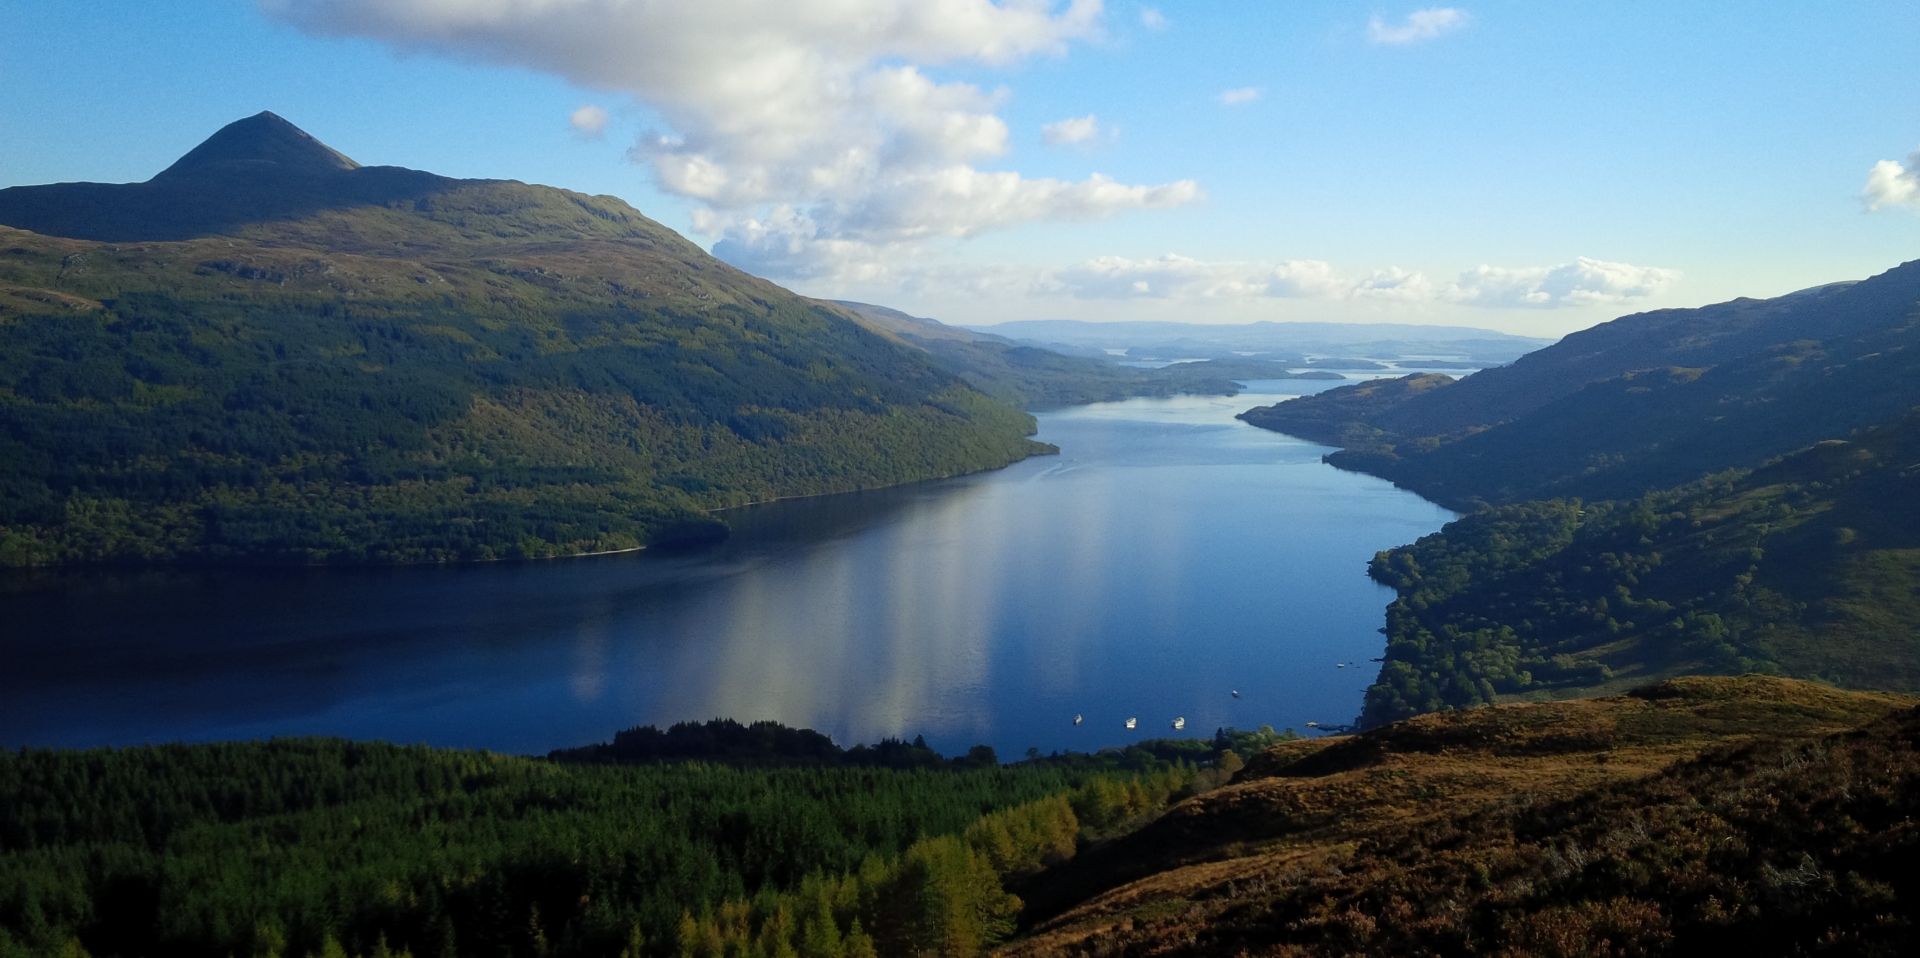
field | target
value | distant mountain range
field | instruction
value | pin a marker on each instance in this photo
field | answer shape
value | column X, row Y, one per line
column 1294, row 343
column 271, row 353
column 1033, row 376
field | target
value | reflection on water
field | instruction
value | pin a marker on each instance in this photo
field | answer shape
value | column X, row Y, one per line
column 1169, row 554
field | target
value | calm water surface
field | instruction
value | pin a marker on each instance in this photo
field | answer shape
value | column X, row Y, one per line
column 1168, row 555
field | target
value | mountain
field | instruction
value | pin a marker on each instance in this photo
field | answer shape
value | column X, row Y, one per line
column 1033, row 377
column 269, row 352
column 1642, row 403
column 256, row 170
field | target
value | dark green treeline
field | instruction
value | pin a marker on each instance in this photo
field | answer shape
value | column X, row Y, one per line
column 325, row 847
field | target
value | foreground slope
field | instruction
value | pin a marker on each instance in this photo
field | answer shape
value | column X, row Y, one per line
column 270, row 353
column 1700, row 816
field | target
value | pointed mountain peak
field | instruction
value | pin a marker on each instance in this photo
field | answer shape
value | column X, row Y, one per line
column 262, row 143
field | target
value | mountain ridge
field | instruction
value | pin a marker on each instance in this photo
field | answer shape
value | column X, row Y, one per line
column 1644, row 402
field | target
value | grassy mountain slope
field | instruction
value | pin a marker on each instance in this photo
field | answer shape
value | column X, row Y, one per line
column 1701, row 816
column 1809, row 566
column 1642, row 403
column 479, row 369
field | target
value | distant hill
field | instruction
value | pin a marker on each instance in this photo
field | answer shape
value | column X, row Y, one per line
column 1032, row 377
column 271, row 353
column 1642, row 403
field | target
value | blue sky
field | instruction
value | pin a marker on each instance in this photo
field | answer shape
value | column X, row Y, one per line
column 1528, row 167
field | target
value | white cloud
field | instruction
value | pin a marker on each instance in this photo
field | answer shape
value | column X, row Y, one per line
column 787, row 244
column 961, row 201
column 1892, row 183
column 1116, row 277
column 1419, row 27
column 822, row 107
column 589, row 121
column 1153, row 19
column 1395, row 285
column 851, row 242
column 1584, row 282
column 1245, row 94
column 1077, row 130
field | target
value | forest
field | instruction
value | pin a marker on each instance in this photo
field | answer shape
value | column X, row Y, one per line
column 1803, row 567
column 325, row 847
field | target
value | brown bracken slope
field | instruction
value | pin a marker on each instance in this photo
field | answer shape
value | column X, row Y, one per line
column 1703, row 815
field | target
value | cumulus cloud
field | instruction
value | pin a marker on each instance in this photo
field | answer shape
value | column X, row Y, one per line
column 589, row 121
column 1245, row 94
column 821, row 107
column 787, row 243
column 852, row 242
column 1584, row 282
column 1116, row 277
column 1419, row 27
column 1077, row 130
column 1892, row 183
column 1153, row 19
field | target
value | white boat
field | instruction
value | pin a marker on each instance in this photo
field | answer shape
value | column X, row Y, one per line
column 1179, row 723
column 1313, row 724
column 1236, row 693
column 1342, row 665
column 1076, row 720
column 1132, row 722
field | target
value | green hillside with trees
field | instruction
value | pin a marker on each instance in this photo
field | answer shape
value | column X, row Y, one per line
column 1717, row 490
column 323, row 847
column 321, row 362
column 1806, row 567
